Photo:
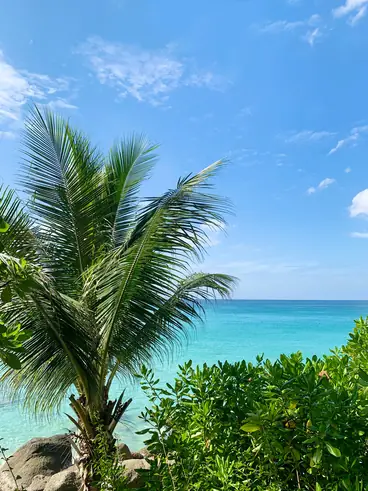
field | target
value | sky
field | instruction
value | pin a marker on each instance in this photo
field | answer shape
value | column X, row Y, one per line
column 278, row 87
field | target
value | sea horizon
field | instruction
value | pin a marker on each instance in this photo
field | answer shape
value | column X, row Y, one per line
column 290, row 300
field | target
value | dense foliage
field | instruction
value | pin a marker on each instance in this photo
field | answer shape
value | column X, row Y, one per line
column 285, row 425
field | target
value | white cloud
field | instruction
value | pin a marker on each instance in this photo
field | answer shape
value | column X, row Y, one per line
column 322, row 185
column 146, row 75
column 359, row 205
column 282, row 26
column 214, row 234
column 308, row 136
column 273, row 266
column 351, row 139
column 312, row 36
column 356, row 9
column 325, row 183
column 7, row 135
column 61, row 104
column 245, row 111
column 311, row 26
column 359, row 235
column 359, row 15
column 17, row 87
column 347, row 170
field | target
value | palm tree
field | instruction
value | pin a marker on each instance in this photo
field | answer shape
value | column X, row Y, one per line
column 101, row 277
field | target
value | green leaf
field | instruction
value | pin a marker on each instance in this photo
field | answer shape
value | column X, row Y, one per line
column 296, row 453
column 363, row 375
column 11, row 360
column 257, row 448
column 6, row 295
column 3, row 226
column 250, row 427
column 143, row 432
column 333, row 450
column 318, row 487
column 317, row 456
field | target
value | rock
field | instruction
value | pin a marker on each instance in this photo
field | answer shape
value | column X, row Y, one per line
column 145, row 453
column 38, row 483
column 135, row 480
column 40, row 456
column 137, row 455
column 66, row 480
column 123, row 452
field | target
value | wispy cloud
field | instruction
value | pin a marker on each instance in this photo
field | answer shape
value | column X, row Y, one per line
column 249, row 157
column 214, row 234
column 282, row 26
column 359, row 235
column 147, row 75
column 61, row 104
column 359, row 204
column 347, row 170
column 273, row 266
column 312, row 28
column 308, row 136
column 244, row 112
column 351, row 139
column 312, row 36
column 7, row 135
column 245, row 156
column 17, row 87
column 322, row 185
column 355, row 9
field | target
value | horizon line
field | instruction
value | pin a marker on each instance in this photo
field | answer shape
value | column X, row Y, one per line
column 293, row 299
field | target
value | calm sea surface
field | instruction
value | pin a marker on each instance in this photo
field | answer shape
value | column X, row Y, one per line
column 233, row 330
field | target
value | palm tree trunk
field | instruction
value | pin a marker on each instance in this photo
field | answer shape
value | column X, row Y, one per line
column 95, row 433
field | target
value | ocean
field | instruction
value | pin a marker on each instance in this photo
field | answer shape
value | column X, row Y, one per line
column 233, row 330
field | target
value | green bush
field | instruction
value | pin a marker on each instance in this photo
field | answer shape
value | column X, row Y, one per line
column 107, row 470
column 285, row 425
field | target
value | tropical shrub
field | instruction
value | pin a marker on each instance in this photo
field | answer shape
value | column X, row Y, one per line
column 108, row 472
column 108, row 274
column 284, row 425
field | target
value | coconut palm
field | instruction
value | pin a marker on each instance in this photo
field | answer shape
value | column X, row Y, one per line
column 101, row 277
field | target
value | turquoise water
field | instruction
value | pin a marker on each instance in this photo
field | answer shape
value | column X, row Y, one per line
column 233, row 330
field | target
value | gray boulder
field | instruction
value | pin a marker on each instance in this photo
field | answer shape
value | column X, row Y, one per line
column 38, row 483
column 145, row 453
column 135, row 480
column 66, row 480
column 123, row 452
column 38, row 457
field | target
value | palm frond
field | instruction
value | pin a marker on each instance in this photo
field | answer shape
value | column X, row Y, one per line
column 60, row 352
column 134, row 282
column 129, row 164
column 183, row 213
column 18, row 240
column 61, row 175
column 135, row 343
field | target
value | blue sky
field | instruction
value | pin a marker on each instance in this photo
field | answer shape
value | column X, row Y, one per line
column 277, row 86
